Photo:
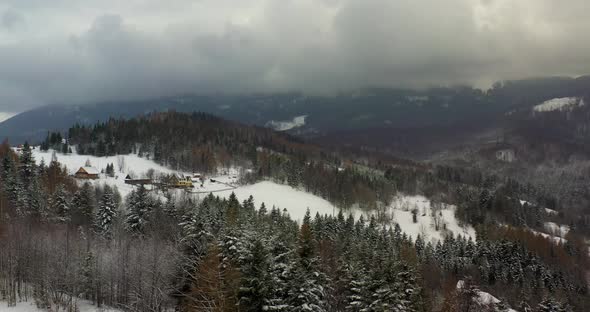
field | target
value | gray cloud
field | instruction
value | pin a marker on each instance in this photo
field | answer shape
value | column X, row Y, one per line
column 78, row 51
column 11, row 19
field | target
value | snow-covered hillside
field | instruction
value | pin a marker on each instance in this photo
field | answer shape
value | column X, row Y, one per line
column 431, row 224
column 555, row 239
column 285, row 125
column 429, row 217
column 5, row 116
column 559, row 104
column 553, row 228
column 124, row 165
column 296, row 202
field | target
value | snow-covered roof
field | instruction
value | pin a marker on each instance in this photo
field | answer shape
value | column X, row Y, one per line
column 91, row 170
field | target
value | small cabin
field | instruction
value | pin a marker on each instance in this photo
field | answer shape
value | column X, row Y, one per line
column 130, row 181
column 506, row 155
column 198, row 178
column 87, row 173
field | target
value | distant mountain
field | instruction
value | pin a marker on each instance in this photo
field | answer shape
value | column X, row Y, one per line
column 410, row 116
column 360, row 110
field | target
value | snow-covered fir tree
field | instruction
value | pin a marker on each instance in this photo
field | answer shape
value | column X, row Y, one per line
column 139, row 208
column 106, row 213
column 60, row 204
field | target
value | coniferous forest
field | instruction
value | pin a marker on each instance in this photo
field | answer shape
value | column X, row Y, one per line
column 294, row 156
column 61, row 241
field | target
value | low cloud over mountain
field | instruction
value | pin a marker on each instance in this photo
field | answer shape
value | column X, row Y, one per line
column 69, row 51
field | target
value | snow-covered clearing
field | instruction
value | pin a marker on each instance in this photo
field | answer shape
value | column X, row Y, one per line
column 296, row 202
column 547, row 210
column 555, row 239
column 132, row 165
column 285, row 125
column 560, row 104
column 551, row 212
column 431, row 224
column 429, row 218
column 553, row 228
column 83, row 306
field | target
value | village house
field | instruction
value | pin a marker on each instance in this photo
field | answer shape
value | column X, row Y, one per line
column 131, row 181
column 506, row 155
column 88, row 173
column 180, row 181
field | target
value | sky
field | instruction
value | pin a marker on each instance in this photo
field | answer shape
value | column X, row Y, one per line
column 84, row 51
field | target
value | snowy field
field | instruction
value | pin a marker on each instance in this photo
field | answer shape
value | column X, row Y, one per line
column 284, row 197
column 83, row 306
column 553, row 228
column 295, row 201
column 559, row 104
column 555, row 239
column 285, row 125
column 555, row 232
column 135, row 166
column 427, row 218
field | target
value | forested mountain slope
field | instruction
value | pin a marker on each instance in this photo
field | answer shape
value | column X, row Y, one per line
column 60, row 240
column 202, row 143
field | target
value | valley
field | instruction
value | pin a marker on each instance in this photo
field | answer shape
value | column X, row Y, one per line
column 189, row 183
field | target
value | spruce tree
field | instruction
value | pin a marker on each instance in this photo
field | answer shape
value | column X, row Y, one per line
column 27, row 166
column 139, row 207
column 60, row 205
column 255, row 291
column 83, row 206
column 106, row 213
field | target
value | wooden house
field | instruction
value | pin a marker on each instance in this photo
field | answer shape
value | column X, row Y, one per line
column 181, row 181
column 87, row 173
column 130, row 181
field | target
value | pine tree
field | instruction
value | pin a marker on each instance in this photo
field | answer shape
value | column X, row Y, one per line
column 31, row 202
column 306, row 240
column 307, row 284
column 280, row 269
column 212, row 287
column 139, row 207
column 262, row 211
column 83, row 205
column 106, row 213
column 307, row 289
column 255, row 288
column 65, row 149
column 60, row 205
column 233, row 210
column 10, row 185
column 359, row 297
column 27, row 165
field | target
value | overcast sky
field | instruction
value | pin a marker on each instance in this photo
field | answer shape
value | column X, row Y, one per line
column 76, row 51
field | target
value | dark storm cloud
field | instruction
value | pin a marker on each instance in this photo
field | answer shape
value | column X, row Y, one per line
column 78, row 51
